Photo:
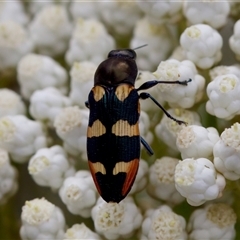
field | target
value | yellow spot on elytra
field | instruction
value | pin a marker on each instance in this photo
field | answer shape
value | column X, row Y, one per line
column 122, row 91
column 123, row 128
column 130, row 168
column 96, row 130
column 98, row 93
column 97, row 167
column 121, row 167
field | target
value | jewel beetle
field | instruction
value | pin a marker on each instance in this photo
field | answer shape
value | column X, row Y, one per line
column 113, row 138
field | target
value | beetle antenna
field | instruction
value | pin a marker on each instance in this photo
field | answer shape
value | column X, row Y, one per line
column 144, row 45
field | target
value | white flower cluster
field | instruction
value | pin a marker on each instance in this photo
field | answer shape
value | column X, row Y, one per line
column 41, row 220
column 71, row 126
column 168, row 129
column 202, row 44
column 234, row 40
column 50, row 22
column 11, row 103
column 36, row 72
column 49, row 53
column 8, row 175
column 80, row 231
column 161, row 180
column 198, row 180
column 227, row 153
column 50, row 162
column 114, row 220
column 89, row 42
column 120, row 17
column 159, row 40
column 161, row 11
column 163, row 223
column 47, row 103
column 79, row 193
column 224, row 98
column 86, row 10
column 21, row 137
column 176, row 95
column 13, row 11
column 82, row 75
column 214, row 13
column 197, row 141
column 215, row 221
column 14, row 44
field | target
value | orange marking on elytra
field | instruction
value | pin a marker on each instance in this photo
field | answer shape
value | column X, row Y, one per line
column 123, row 128
column 94, row 168
column 130, row 168
column 122, row 91
column 130, row 177
column 98, row 93
column 96, row 130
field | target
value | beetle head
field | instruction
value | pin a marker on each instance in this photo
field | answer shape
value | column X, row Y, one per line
column 119, row 67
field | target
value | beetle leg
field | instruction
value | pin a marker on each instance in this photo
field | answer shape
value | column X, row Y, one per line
column 87, row 104
column 145, row 95
column 152, row 83
column 147, row 147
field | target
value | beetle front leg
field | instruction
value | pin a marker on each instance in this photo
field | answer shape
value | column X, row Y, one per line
column 152, row 83
column 145, row 95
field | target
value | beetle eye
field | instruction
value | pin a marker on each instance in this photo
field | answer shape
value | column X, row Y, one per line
column 123, row 53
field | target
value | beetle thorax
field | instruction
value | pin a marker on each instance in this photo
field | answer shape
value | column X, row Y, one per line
column 115, row 71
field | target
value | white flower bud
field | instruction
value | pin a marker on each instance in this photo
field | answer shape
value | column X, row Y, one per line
column 71, row 126
column 36, row 72
column 168, row 129
column 86, row 10
column 13, row 11
column 116, row 220
column 82, row 79
column 47, row 103
column 202, row 45
column 11, row 103
column 196, row 141
column 163, row 223
column 227, row 153
column 21, row 137
column 234, row 40
column 80, row 231
column 213, row 13
column 53, row 23
column 161, row 180
column 224, row 98
column 41, row 220
column 36, row 6
column 14, row 44
column 223, row 70
column 161, row 11
column 8, row 177
column 198, row 181
column 120, row 17
column 159, row 40
column 175, row 94
column 50, row 162
column 215, row 221
column 79, row 193
column 89, row 42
